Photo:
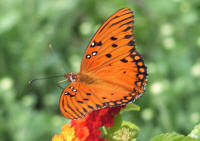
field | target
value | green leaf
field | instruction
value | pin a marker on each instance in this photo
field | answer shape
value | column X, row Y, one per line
column 126, row 132
column 107, row 132
column 117, row 124
column 195, row 133
column 172, row 137
column 131, row 107
column 131, row 125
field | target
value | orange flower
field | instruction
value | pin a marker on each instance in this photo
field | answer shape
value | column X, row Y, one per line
column 89, row 125
column 57, row 138
column 87, row 128
column 67, row 134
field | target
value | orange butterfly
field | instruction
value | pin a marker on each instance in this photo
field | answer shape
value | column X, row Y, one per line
column 112, row 71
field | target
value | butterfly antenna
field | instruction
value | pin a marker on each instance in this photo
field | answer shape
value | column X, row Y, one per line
column 61, row 81
column 43, row 78
column 57, row 57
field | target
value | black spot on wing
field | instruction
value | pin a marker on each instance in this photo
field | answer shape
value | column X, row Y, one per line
column 131, row 43
column 85, row 110
column 128, row 28
column 94, row 43
column 113, row 38
column 99, row 43
column 114, row 45
column 98, row 106
column 90, row 107
column 127, row 36
column 108, row 55
column 124, row 60
column 88, row 93
column 132, row 50
column 80, row 101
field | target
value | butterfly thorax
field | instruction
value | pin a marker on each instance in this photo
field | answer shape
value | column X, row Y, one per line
column 79, row 77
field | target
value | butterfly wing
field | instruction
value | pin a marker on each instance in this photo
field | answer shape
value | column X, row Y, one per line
column 117, row 69
column 113, row 38
column 72, row 99
column 112, row 57
column 79, row 99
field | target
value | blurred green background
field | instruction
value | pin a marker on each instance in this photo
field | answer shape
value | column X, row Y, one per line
column 167, row 35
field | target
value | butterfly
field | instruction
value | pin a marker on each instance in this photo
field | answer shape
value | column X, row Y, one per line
column 112, row 72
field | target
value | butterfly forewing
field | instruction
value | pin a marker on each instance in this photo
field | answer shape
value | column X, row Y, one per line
column 112, row 37
column 79, row 99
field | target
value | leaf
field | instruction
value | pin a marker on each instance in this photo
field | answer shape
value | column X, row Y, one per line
column 127, row 131
column 131, row 125
column 172, row 137
column 117, row 124
column 130, row 107
column 195, row 133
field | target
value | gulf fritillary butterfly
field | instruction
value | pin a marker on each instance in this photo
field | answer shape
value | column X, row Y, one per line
column 112, row 72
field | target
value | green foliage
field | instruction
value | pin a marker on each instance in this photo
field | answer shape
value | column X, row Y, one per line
column 195, row 132
column 172, row 137
column 130, row 107
column 127, row 131
column 167, row 35
column 123, row 130
column 193, row 136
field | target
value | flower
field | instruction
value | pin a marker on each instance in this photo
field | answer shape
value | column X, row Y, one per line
column 88, row 128
column 95, row 120
column 67, row 134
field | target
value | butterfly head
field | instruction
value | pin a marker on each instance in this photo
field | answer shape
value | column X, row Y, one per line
column 71, row 77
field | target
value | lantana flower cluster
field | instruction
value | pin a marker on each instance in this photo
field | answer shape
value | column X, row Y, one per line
column 88, row 128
